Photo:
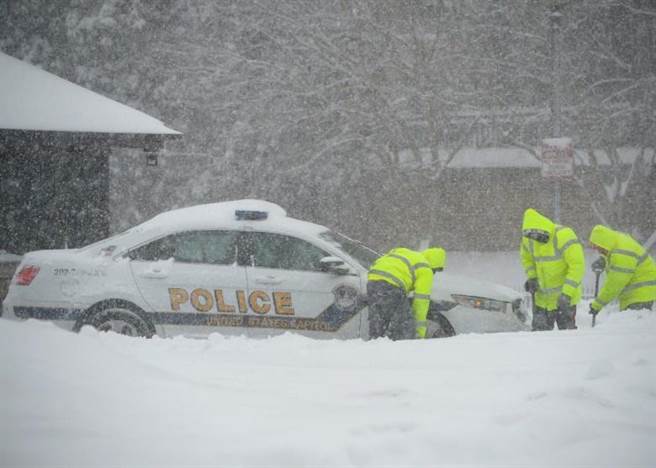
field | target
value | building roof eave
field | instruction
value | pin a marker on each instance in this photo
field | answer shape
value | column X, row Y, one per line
column 146, row 141
column 33, row 99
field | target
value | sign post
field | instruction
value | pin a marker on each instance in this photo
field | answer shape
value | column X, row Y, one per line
column 557, row 156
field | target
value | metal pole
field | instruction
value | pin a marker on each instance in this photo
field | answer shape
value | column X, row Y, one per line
column 557, row 201
column 555, row 18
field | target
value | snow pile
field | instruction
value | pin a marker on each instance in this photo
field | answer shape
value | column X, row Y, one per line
column 578, row 397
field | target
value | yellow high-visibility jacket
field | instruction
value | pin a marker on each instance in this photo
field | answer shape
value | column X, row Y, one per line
column 630, row 270
column 410, row 271
column 558, row 264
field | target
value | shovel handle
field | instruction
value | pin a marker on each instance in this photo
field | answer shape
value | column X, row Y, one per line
column 594, row 314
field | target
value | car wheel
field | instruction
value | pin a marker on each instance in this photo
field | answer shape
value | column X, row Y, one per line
column 119, row 319
column 439, row 326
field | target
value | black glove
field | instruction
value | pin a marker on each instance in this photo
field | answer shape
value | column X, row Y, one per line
column 531, row 285
column 564, row 303
column 599, row 265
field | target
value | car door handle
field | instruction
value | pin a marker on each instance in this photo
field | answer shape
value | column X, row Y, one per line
column 268, row 280
column 154, row 274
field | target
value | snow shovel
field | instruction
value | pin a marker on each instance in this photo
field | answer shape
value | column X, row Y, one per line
column 598, row 267
column 594, row 314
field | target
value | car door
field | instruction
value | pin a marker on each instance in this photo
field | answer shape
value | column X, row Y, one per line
column 289, row 291
column 192, row 283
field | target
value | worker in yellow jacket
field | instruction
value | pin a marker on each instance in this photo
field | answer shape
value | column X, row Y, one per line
column 553, row 260
column 391, row 278
column 630, row 270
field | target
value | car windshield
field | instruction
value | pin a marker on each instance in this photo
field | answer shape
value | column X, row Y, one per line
column 363, row 254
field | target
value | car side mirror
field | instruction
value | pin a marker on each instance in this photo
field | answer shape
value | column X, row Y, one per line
column 334, row 265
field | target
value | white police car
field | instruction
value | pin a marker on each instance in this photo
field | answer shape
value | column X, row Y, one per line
column 238, row 267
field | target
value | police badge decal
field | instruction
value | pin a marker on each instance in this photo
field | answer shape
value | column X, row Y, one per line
column 346, row 297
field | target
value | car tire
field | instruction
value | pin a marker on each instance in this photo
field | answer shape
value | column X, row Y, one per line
column 119, row 317
column 439, row 326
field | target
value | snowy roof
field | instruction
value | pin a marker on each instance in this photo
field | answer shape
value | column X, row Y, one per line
column 485, row 158
column 34, row 99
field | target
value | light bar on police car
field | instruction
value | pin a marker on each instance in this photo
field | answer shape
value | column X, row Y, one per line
column 246, row 215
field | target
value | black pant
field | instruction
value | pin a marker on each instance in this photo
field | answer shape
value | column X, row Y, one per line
column 389, row 312
column 545, row 320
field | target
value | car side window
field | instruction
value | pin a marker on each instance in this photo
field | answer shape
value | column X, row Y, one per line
column 269, row 250
column 220, row 247
column 189, row 247
column 213, row 247
column 161, row 249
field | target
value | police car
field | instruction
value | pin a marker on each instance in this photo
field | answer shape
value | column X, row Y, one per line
column 240, row 267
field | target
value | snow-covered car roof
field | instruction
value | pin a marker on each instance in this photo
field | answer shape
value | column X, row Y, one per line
column 213, row 214
column 220, row 215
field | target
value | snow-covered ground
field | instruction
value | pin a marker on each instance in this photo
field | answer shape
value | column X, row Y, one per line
column 583, row 397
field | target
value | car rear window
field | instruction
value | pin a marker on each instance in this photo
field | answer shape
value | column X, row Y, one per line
column 212, row 247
